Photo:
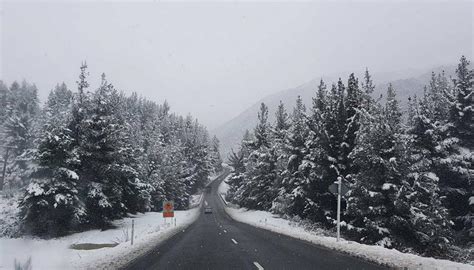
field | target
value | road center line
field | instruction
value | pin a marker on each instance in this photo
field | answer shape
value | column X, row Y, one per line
column 233, row 240
column 225, row 231
column 259, row 267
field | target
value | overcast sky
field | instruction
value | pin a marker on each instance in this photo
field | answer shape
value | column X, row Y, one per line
column 213, row 60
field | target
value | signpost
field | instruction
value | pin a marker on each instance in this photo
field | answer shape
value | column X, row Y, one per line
column 168, row 209
column 339, row 189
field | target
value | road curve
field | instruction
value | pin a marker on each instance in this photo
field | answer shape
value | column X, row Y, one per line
column 216, row 241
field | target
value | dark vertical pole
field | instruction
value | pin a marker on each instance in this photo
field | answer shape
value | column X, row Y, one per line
column 133, row 231
column 4, row 169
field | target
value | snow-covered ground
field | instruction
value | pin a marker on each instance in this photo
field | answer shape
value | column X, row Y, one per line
column 150, row 228
column 389, row 257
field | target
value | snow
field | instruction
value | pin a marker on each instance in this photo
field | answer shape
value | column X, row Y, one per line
column 150, row 229
column 378, row 254
column 372, row 194
column 432, row 176
column 35, row 189
column 71, row 174
column 387, row 186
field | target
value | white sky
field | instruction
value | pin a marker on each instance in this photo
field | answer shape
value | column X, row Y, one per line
column 215, row 59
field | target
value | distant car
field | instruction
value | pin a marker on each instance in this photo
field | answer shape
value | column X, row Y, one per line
column 207, row 210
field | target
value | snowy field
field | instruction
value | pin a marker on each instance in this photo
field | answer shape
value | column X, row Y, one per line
column 150, row 228
column 389, row 257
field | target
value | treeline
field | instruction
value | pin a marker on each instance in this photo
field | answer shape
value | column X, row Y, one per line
column 410, row 176
column 91, row 156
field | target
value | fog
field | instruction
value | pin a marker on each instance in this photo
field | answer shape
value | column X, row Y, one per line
column 213, row 60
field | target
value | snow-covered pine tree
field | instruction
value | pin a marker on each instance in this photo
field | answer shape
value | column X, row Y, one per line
column 338, row 131
column 103, row 154
column 368, row 89
column 411, row 111
column 174, row 177
column 320, row 202
column 4, row 97
column 108, row 163
column 380, row 156
column 199, row 158
column 428, row 225
column 238, row 162
column 258, row 189
column 353, row 105
column 19, row 131
column 216, row 159
column 295, row 182
column 462, row 109
column 51, row 205
column 279, row 135
column 456, row 150
column 333, row 122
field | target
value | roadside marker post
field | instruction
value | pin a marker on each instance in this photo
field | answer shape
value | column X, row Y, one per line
column 339, row 180
column 133, row 230
column 339, row 189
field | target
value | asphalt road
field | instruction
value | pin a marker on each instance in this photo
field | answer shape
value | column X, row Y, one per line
column 216, row 241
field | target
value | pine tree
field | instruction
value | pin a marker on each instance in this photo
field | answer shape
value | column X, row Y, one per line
column 295, row 182
column 428, row 224
column 280, row 135
column 19, row 131
column 368, row 89
column 215, row 155
column 237, row 160
column 258, row 190
column 353, row 105
column 4, row 98
column 102, row 155
column 319, row 201
column 380, row 155
column 456, row 162
column 461, row 111
column 261, row 133
column 51, row 204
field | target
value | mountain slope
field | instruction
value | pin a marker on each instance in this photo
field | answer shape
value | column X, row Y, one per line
column 231, row 132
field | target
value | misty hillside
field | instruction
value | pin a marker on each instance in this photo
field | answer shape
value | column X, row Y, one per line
column 231, row 132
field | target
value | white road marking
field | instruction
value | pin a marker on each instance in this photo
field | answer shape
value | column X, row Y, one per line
column 225, row 231
column 205, row 203
column 259, row 267
column 233, row 240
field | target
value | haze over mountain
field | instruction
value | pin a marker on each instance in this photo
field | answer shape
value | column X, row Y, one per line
column 407, row 83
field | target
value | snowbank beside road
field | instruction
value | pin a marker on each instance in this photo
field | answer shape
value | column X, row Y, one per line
column 150, row 229
column 389, row 257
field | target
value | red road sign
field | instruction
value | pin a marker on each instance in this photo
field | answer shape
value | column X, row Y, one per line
column 168, row 209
